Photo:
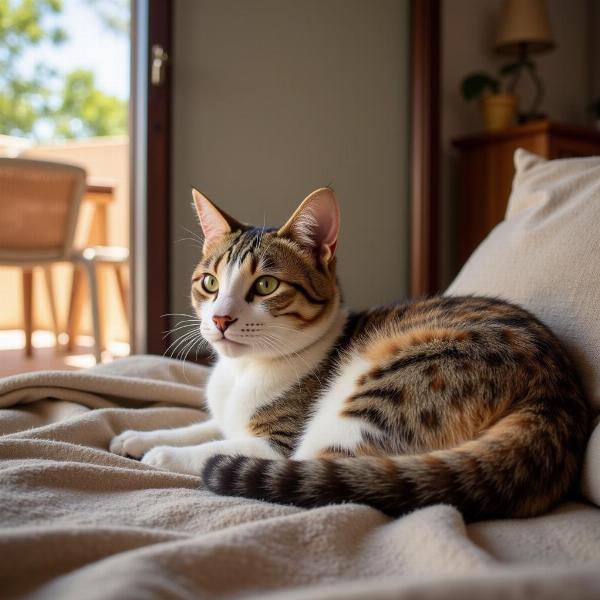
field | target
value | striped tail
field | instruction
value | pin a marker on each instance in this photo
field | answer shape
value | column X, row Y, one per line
column 520, row 467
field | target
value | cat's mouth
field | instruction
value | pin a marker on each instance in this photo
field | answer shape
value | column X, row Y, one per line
column 226, row 340
column 228, row 347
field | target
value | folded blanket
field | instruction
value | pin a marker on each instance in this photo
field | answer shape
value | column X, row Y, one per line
column 77, row 522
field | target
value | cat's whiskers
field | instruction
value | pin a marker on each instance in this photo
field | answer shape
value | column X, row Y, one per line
column 312, row 370
column 275, row 345
column 196, row 336
column 179, row 341
column 189, row 319
column 194, row 342
column 179, row 327
column 195, row 242
column 182, row 321
column 189, row 344
column 194, row 235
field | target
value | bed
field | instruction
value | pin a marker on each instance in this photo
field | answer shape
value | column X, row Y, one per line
column 78, row 522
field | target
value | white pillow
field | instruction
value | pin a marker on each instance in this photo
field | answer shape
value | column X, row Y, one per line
column 545, row 256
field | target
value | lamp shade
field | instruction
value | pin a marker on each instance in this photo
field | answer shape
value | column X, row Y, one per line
column 523, row 22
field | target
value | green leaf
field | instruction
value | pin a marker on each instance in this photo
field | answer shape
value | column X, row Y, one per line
column 476, row 84
column 33, row 93
column 58, row 36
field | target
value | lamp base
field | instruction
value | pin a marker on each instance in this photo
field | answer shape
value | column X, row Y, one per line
column 528, row 117
column 525, row 65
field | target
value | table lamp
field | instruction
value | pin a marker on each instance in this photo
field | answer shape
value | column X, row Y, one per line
column 524, row 30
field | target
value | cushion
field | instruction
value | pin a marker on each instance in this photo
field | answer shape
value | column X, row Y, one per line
column 545, row 256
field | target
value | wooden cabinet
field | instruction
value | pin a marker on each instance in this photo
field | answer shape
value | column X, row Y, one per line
column 486, row 171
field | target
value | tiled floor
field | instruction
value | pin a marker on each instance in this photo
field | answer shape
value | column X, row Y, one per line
column 45, row 356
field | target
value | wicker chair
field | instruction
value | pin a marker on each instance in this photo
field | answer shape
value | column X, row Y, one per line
column 39, row 206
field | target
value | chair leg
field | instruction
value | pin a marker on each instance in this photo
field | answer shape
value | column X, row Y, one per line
column 52, row 304
column 123, row 292
column 94, row 301
column 27, row 282
column 75, row 306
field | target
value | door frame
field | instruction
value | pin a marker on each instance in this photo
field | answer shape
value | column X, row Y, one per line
column 151, row 165
column 425, row 147
column 152, row 23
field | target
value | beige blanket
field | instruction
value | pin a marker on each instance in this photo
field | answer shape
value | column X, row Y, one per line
column 80, row 523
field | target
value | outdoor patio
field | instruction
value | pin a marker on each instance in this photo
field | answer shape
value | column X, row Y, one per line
column 103, row 220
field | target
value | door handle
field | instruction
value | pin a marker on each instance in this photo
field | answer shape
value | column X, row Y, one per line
column 159, row 62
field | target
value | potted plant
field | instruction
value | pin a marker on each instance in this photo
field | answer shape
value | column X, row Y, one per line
column 498, row 109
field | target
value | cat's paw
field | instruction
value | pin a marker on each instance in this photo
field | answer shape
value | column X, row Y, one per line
column 132, row 443
column 170, row 458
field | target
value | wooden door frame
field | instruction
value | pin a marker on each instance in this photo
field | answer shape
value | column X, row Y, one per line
column 151, row 176
column 425, row 147
column 151, row 133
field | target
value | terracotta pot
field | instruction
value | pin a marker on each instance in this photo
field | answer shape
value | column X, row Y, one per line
column 498, row 111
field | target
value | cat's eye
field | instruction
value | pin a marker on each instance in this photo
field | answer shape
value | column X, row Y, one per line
column 266, row 285
column 210, row 283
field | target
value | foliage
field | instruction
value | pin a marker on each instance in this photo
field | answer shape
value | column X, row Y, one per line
column 85, row 111
column 473, row 86
column 23, row 98
column 30, row 94
column 114, row 14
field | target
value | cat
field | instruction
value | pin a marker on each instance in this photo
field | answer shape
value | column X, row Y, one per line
column 469, row 401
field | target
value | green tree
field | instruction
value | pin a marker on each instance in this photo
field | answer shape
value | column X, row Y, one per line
column 85, row 111
column 24, row 98
column 114, row 14
column 74, row 109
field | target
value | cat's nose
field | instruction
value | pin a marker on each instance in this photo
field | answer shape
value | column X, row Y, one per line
column 223, row 322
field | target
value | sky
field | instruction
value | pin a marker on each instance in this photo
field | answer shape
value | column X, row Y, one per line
column 90, row 45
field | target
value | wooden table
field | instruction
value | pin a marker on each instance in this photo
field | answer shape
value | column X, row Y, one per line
column 101, row 194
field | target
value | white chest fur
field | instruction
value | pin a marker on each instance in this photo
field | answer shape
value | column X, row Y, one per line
column 238, row 387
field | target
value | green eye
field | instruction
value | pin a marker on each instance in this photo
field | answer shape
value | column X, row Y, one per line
column 266, row 285
column 210, row 284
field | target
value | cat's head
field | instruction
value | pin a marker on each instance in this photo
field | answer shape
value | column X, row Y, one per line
column 267, row 292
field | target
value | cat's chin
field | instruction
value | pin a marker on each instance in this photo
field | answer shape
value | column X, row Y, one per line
column 231, row 349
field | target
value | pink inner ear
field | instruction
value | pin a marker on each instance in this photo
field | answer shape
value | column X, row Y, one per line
column 325, row 213
column 214, row 225
column 316, row 223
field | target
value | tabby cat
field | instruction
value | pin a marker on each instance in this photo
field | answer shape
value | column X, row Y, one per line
column 469, row 401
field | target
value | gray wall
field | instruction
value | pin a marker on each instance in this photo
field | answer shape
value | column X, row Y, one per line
column 274, row 98
column 569, row 74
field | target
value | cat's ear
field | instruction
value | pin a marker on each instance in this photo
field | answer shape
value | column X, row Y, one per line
column 215, row 223
column 316, row 224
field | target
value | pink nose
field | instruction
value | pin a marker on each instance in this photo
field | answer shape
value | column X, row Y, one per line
column 223, row 322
